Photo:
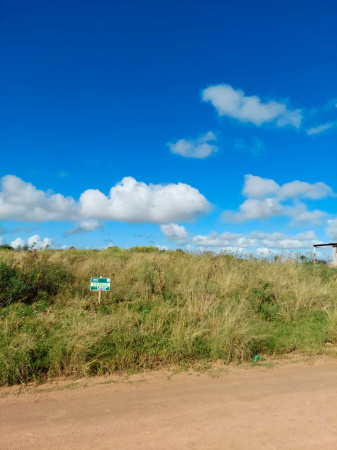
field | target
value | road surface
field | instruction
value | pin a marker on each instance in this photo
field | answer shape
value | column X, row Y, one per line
column 290, row 406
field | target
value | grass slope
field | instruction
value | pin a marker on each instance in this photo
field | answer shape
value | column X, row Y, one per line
column 163, row 307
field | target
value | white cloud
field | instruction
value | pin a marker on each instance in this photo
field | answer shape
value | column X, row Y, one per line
column 265, row 198
column 320, row 128
column 258, row 187
column 136, row 202
column 300, row 215
column 215, row 240
column 255, row 186
column 279, row 240
column 255, row 239
column 34, row 242
column 175, row 233
column 84, row 227
column 254, row 209
column 128, row 201
column 312, row 191
column 22, row 201
column 18, row 242
column 199, row 148
column 250, row 109
column 331, row 230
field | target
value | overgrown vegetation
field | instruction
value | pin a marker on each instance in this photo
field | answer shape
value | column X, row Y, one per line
column 163, row 307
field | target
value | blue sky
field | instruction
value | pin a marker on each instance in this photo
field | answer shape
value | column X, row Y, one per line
column 214, row 123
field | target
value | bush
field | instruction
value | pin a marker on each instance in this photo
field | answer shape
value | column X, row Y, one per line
column 29, row 282
column 6, row 247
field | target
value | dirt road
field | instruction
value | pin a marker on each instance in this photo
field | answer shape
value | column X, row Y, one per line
column 291, row 406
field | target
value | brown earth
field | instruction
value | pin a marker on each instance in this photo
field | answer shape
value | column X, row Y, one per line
column 287, row 406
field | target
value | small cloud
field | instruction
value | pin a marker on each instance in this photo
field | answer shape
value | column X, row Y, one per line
column 18, row 242
column 175, row 233
column 62, row 174
column 320, row 128
column 235, row 103
column 199, row 148
column 312, row 191
column 255, row 209
column 255, row 186
column 84, row 227
column 301, row 216
column 36, row 242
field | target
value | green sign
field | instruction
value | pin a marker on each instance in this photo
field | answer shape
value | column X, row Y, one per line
column 100, row 284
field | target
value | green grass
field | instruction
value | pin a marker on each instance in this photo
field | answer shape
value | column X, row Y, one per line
column 163, row 308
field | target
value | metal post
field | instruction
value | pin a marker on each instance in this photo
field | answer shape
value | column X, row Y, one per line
column 314, row 255
column 99, row 294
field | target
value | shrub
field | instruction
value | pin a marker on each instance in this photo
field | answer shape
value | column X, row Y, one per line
column 30, row 281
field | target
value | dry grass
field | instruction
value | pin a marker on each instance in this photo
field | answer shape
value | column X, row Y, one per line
column 163, row 308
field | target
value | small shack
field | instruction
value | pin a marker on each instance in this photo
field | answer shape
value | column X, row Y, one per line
column 334, row 251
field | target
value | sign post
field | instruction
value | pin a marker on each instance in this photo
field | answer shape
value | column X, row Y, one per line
column 100, row 284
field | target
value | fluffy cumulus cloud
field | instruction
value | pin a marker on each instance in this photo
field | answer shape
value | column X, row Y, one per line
column 175, row 233
column 331, row 230
column 200, row 148
column 128, row 201
column 234, row 103
column 265, row 197
column 136, row 202
column 34, row 242
column 22, row 201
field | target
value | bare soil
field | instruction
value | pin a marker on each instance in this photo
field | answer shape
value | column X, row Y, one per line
column 287, row 406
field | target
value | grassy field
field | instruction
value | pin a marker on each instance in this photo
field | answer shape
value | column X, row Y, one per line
column 163, row 308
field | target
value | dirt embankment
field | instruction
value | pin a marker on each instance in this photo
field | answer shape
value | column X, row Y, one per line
column 290, row 406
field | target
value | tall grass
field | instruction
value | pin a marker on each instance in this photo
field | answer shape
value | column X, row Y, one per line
column 163, row 308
